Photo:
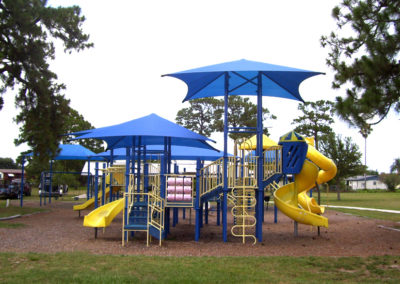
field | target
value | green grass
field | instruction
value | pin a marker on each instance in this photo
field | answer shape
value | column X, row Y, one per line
column 89, row 268
column 12, row 209
column 378, row 200
column 370, row 214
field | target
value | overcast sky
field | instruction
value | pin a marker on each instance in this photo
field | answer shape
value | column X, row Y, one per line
column 138, row 41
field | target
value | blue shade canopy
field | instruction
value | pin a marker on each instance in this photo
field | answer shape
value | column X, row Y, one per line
column 74, row 152
column 277, row 81
column 150, row 130
column 177, row 153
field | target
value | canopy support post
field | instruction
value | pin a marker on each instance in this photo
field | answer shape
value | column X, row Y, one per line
column 260, row 172
column 225, row 170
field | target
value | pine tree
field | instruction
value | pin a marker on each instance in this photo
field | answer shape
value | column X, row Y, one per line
column 28, row 31
column 364, row 55
column 316, row 119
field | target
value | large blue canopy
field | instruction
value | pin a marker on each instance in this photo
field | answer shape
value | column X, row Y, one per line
column 147, row 130
column 74, row 152
column 277, row 81
column 177, row 153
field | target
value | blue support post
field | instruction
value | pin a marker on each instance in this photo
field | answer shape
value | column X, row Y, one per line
column 96, row 185
column 175, row 210
column 88, row 180
column 51, row 180
column 197, row 202
column 22, row 182
column 206, row 212
column 127, row 161
column 139, row 162
column 41, row 188
column 111, row 175
column 225, row 170
column 145, row 171
column 260, row 172
column 103, row 185
column 218, row 212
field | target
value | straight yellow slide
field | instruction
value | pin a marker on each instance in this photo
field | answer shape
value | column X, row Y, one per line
column 103, row 216
column 289, row 196
column 90, row 202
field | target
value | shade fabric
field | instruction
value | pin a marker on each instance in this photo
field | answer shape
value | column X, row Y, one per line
column 177, row 153
column 74, row 152
column 147, row 130
column 277, row 81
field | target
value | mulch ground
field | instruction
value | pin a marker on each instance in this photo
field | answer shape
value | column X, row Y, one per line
column 61, row 230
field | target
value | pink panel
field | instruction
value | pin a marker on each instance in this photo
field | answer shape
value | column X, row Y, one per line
column 187, row 197
column 171, row 197
column 187, row 189
column 171, row 181
column 179, row 189
column 179, row 197
column 171, row 189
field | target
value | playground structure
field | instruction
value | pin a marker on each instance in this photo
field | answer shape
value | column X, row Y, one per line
column 151, row 196
column 240, row 179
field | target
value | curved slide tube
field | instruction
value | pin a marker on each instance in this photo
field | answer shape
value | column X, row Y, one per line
column 103, row 216
column 289, row 196
column 327, row 172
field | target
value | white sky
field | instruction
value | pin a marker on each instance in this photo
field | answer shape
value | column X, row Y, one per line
column 138, row 41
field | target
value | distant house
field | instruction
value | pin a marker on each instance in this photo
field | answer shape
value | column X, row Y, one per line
column 367, row 182
column 7, row 175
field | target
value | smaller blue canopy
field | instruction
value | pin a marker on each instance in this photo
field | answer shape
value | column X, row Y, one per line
column 277, row 81
column 177, row 153
column 147, row 130
column 74, row 152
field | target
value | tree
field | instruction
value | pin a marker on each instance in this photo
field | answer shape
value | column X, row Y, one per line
column 28, row 31
column 391, row 180
column 243, row 113
column 201, row 116
column 345, row 154
column 205, row 116
column 8, row 163
column 366, row 58
column 75, row 122
column 395, row 167
column 316, row 119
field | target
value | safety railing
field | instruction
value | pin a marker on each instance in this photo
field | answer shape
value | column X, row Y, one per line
column 272, row 161
column 118, row 175
column 242, row 171
column 211, row 177
column 156, row 212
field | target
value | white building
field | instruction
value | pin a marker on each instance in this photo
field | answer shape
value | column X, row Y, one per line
column 365, row 182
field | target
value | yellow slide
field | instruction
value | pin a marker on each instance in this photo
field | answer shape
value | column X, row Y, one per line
column 327, row 172
column 103, row 216
column 289, row 196
column 90, row 202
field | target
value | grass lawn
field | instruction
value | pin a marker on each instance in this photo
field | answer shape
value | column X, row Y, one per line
column 89, row 268
column 377, row 200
